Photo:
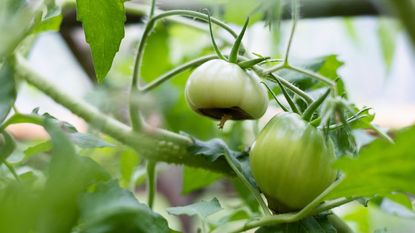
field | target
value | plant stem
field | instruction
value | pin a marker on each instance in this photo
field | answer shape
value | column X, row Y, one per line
column 292, row 88
column 312, row 75
column 170, row 74
column 212, row 38
column 285, row 109
column 11, row 169
column 274, row 69
column 290, row 101
column 248, row 185
column 153, row 144
column 332, row 204
column 295, row 14
column 339, row 224
column 289, row 217
column 151, row 182
column 152, row 9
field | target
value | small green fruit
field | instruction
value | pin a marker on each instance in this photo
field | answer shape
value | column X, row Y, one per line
column 291, row 162
column 219, row 89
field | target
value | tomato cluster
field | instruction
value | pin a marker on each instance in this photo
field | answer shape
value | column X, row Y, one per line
column 290, row 159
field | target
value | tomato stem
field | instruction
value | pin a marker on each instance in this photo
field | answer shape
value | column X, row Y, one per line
column 215, row 46
column 314, row 75
column 248, row 185
column 152, row 9
column 174, row 72
column 285, row 109
column 295, row 14
column 223, row 120
column 290, row 101
column 293, row 88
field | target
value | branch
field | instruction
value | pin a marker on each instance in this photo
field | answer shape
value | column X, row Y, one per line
column 153, row 144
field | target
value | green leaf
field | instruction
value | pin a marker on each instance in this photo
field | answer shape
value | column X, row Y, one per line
column 68, row 176
column 110, row 209
column 7, row 90
column 103, row 23
column 194, row 179
column 246, row 195
column 387, row 34
column 88, row 140
column 51, row 23
column 156, row 58
column 236, row 11
column 20, row 118
column 19, row 207
column 7, row 146
column 233, row 215
column 360, row 217
column 15, row 21
column 380, row 169
column 325, row 65
column 318, row 224
column 38, row 148
column 272, row 13
column 201, row 209
column 401, row 199
column 351, row 29
column 129, row 160
column 216, row 148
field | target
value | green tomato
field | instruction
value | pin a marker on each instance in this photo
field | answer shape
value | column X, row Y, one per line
column 219, row 89
column 291, row 162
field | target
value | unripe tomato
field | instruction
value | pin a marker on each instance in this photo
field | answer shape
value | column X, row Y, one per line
column 291, row 162
column 218, row 88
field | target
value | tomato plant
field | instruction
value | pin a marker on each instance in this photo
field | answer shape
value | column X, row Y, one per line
column 297, row 154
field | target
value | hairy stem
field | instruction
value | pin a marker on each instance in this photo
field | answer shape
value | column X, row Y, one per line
column 153, row 144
